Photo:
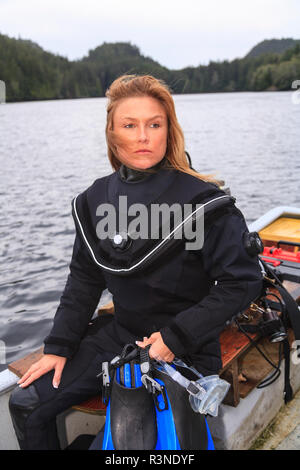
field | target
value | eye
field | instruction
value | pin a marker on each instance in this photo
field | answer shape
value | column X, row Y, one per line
column 155, row 125
column 128, row 126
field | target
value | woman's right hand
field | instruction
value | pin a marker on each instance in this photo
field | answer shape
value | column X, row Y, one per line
column 41, row 367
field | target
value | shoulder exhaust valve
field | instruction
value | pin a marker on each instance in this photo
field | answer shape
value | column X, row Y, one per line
column 253, row 243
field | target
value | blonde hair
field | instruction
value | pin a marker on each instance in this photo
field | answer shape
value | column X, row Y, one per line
column 128, row 86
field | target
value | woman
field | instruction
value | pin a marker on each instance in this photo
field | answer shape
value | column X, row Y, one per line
column 178, row 304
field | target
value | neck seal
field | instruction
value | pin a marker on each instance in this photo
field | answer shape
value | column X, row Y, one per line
column 131, row 175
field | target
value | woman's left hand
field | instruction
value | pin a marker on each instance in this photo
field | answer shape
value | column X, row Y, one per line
column 158, row 349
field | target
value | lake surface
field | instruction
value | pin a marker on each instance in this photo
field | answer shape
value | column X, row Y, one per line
column 52, row 150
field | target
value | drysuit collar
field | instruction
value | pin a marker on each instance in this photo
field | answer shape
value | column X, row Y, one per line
column 143, row 187
column 129, row 175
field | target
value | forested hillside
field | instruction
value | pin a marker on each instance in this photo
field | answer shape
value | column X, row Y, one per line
column 30, row 73
column 270, row 46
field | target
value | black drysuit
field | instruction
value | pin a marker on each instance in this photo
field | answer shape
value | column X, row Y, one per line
column 188, row 296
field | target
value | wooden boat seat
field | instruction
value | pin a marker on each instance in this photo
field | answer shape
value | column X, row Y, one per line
column 283, row 228
column 243, row 367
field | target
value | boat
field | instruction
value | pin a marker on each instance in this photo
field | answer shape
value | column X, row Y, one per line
column 247, row 410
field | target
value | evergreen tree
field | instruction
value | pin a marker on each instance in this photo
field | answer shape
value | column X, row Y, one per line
column 30, row 73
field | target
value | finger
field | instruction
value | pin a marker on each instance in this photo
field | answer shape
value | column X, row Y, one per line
column 24, row 377
column 170, row 358
column 144, row 343
column 32, row 377
column 155, row 336
column 150, row 340
column 57, row 376
column 160, row 353
column 27, row 374
column 154, row 353
column 146, row 340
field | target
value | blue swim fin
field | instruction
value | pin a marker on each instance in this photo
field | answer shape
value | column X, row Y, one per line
column 148, row 410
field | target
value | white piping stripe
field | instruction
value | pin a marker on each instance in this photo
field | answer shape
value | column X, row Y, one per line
column 149, row 254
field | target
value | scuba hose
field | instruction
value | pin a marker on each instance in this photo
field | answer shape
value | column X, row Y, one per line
column 275, row 327
column 274, row 376
column 278, row 336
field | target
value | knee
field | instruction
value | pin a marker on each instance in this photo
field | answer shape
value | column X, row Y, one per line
column 25, row 398
column 21, row 404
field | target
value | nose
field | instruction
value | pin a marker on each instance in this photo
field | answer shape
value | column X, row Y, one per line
column 143, row 135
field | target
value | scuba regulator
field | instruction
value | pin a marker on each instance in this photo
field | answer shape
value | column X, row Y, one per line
column 270, row 324
column 264, row 318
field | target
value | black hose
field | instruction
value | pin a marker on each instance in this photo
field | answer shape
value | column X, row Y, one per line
column 277, row 371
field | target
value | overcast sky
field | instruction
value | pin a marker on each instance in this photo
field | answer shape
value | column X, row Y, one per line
column 175, row 33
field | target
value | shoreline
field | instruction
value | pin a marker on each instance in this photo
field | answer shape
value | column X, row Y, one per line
column 174, row 94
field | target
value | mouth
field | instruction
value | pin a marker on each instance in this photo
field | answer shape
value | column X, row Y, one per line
column 143, row 151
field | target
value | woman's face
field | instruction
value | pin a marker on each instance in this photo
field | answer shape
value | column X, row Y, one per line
column 141, row 127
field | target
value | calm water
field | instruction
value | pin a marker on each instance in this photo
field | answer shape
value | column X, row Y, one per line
column 50, row 151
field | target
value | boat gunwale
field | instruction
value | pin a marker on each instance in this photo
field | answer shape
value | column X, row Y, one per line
column 272, row 215
column 8, row 381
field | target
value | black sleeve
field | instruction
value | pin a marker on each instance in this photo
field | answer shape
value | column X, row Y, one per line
column 238, row 281
column 85, row 284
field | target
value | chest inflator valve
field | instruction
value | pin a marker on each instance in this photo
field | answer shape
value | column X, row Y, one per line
column 121, row 241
